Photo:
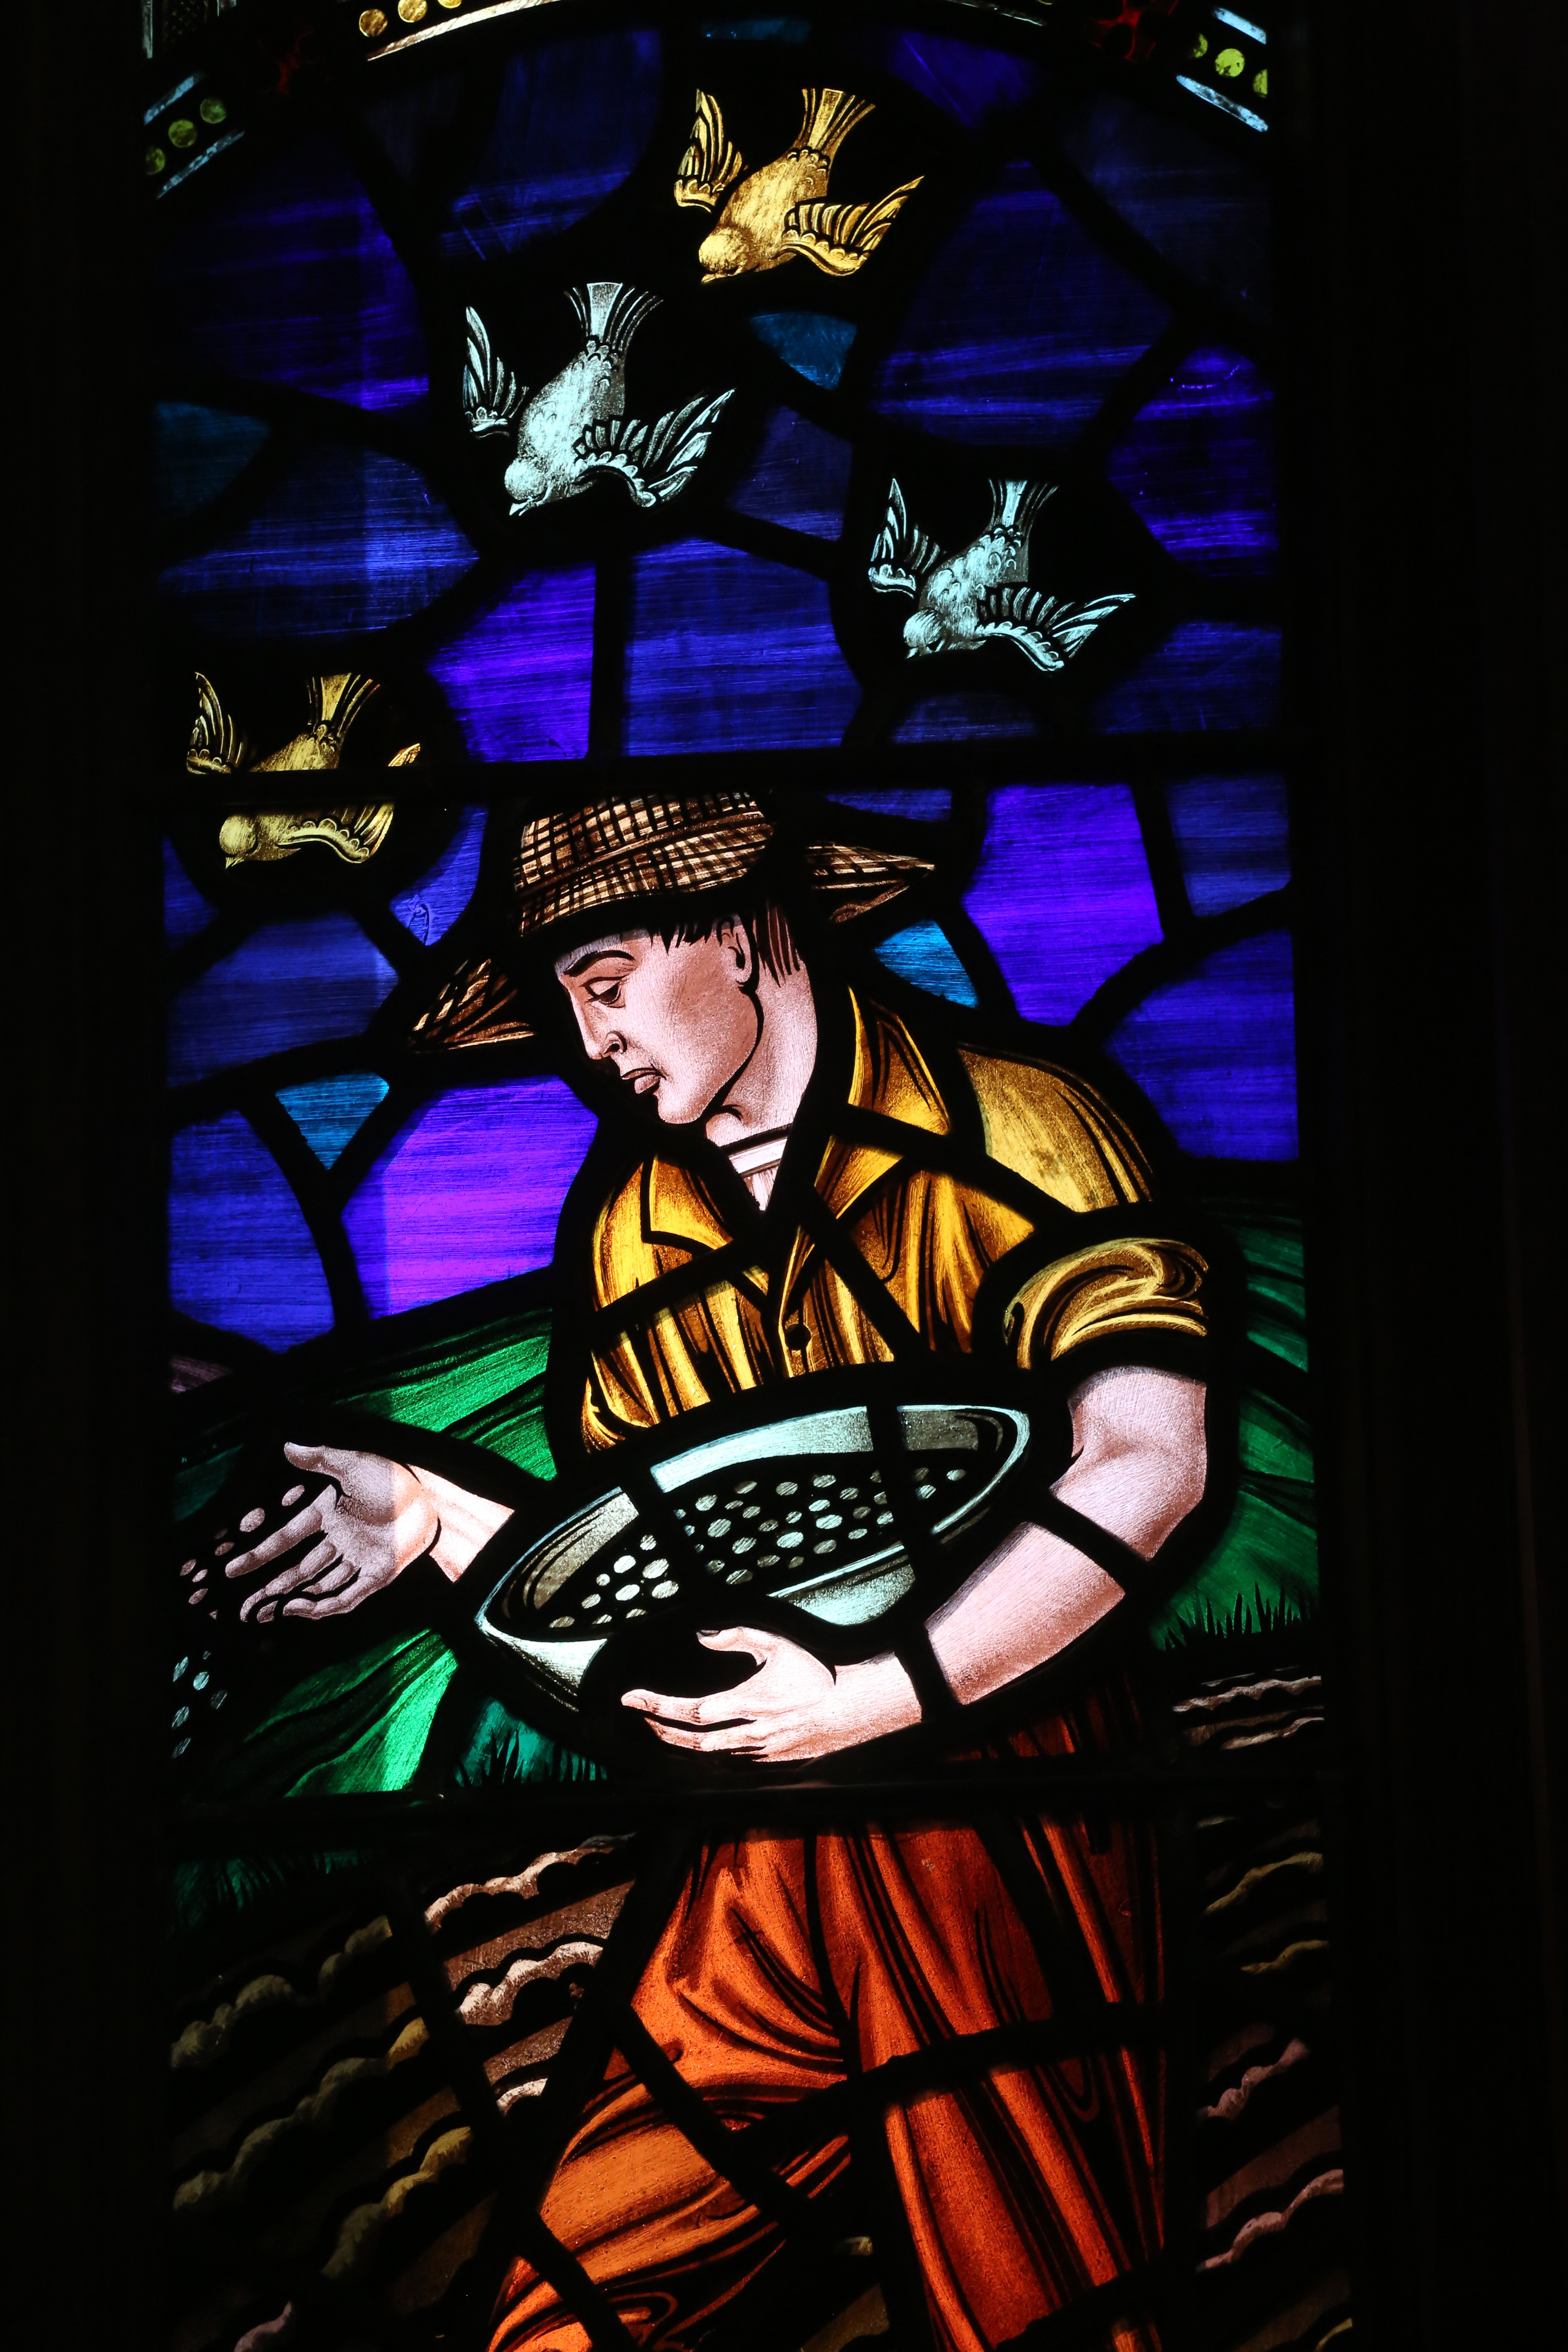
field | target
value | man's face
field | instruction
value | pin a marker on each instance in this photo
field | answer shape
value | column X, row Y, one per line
column 678, row 1023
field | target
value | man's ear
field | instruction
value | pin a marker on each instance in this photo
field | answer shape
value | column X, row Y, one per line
column 736, row 939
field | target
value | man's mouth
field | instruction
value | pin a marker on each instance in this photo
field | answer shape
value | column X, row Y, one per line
column 643, row 1081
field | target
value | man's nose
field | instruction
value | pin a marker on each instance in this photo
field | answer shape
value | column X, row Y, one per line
column 601, row 1038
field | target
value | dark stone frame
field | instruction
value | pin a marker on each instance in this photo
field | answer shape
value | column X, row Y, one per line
column 1427, row 218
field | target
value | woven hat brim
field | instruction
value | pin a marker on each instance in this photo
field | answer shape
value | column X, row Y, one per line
column 478, row 1003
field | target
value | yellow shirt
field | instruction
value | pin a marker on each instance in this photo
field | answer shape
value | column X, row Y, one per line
column 921, row 1189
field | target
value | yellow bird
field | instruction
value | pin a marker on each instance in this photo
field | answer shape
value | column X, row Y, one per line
column 219, row 748
column 778, row 211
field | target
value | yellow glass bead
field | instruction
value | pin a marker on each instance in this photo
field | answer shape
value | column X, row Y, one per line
column 1260, row 82
column 451, row 3
column 411, row 10
column 212, row 110
column 182, row 134
column 372, row 24
column 1229, row 63
column 1200, row 47
column 156, row 159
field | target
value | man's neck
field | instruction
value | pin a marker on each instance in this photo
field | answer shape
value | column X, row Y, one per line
column 764, row 1098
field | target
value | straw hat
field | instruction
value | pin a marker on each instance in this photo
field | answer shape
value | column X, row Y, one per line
column 611, row 853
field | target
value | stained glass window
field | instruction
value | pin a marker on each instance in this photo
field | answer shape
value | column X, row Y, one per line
column 746, row 1705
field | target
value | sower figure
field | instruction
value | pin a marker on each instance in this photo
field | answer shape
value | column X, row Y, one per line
column 884, row 1191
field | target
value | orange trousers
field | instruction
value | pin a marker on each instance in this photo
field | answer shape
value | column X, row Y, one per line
column 791, row 1964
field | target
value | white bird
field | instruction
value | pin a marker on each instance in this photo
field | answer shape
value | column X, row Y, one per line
column 575, row 427
column 963, row 602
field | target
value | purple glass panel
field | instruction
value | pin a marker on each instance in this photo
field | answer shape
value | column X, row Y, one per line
column 729, row 652
column 185, row 911
column 1206, row 674
column 240, row 1253
column 1233, row 835
column 519, row 679
column 962, row 719
column 434, row 903
column 799, row 478
column 1197, row 466
column 1022, row 326
column 291, row 279
column 929, row 802
column 572, row 118
column 1205, row 211
column 1216, row 1054
column 349, row 541
column 289, row 985
column 1062, row 892
column 967, row 80
column 469, row 1194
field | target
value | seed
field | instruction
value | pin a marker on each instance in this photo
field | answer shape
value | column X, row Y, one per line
column 742, row 1544
column 706, row 1502
column 637, row 1613
column 654, row 1568
column 747, row 1487
column 666, row 1591
column 925, row 1491
column 559, row 1624
column 954, row 1475
column 601, row 1579
column 625, row 1565
column 627, row 1592
column 832, row 1520
column 647, row 1543
column 717, row 1527
column 787, row 1543
column 786, row 1486
column 768, row 1560
column 884, row 1518
column 739, row 1576
column 821, row 1549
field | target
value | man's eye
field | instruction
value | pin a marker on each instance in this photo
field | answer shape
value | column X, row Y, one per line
column 607, row 992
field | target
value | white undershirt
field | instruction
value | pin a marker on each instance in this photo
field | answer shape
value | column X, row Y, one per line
column 757, row 1162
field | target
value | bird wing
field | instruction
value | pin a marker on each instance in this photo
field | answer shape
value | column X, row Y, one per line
column 406, row 758
column 477, row 1005
column 354, row 834
column 493, row 397
column 712, row 161
column 654, row 461
column 903, row 552
column 216, row 746
column 1046, row 628
column 839, row 237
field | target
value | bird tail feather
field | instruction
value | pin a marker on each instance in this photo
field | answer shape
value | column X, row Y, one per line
column 828, row 118
column 1015, row 505
column 338, row 701
column 611, row 313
